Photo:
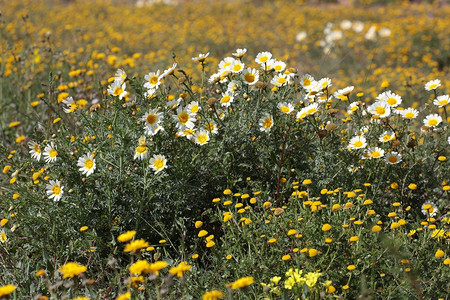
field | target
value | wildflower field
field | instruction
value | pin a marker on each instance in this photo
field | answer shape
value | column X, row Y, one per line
column 224, row 149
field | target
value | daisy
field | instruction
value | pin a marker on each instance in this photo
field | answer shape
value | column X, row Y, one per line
column 35, row 150
column 152, row 80
column 233, row 86
column 151, row 121
column 214, row 78
column 117, row 89
column 429, row 209
column 184, row 119
column 71, row 105
column 301, row 114
column 393, row 158
column 375, row 152
column 227, row 99
column 169, row 71
column 188, row 133
column 432, row 85
column 87, row 164
column 237, row 66
column 432, row 120
column 279, row 66
column 158, row 163
column 311, row 109
column 314, row 88
column 358, row 26
column 201, row 137
column 346, row 24
column 268, row 66
column 50, row 153
column 441, row 101
column 380, row 108
column 150, row 93
column 120, row 76
column 357, row 142
column 301, row 36
column 280, row 80
column 211, row 127
column 386, row 136
column 141, row 152
column 352, row 107
column 409, row 113
column 193, row 107
column 239, row 53
column 306, row 80
column 201, row 57
column 324, row 83
column 265, row 123
column 342, row 94
column 55, row 190
column 226, row 63
column 392, row 99
column 250, row 76
column 263, row 57
column 285, row 107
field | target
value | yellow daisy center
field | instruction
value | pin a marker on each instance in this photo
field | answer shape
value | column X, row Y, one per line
column 249, row 77
column 226, row 99
column 141, row 149
column 409, row 115
column 393, row 159
column 285, row 109
column 154, row 80
column 151, row 119
column 88, row 164
column 268, row 123
column 202, row 138
column 183, row 117
column 432, row 86
column 37, row 149
column 56, row 190
column 117, row 91
column 391, row 101
column 263, row 58
column 159, row 164
column 358, row 144
column 380, row 110
column 53, row 153
column 376, row 154
column 432, row 122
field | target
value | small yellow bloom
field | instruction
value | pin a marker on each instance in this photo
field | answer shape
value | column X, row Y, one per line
column 351, row 267
column 84, row 228
column 71, row 269
column 376, row 228
column 212, row 295
column 127, row 236
column 326, row 227
column 439, row 253
column 227, row 192
column 202, row 233
column 198, row 224
column 412, row 186
column 7, row 289
column 286, row 257
column 312, row 252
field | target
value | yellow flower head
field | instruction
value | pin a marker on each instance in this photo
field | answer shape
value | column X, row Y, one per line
column 71, row 269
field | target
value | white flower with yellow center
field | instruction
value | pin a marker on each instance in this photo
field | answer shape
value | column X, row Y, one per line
column 265, row 123
column 184, row 118
column 87, row 164
column 357, row 142
column 201, row 57
column 409, row 113
column 280, row 80
column 158, row 163
column 352, row 107
column 237, row 66
column 311, row 109
column 141, row 152
column 233, row 86
column 432, row 85
column 152, row 80
column 432, row 120
column 324, row 83
column 285, row 107
column 386, row 136
column 120, row 76
column 55, row 190
column 3, row 236
column 227, row 99
column 263, row 57
column 201, row 137
column 193, row 107
column 380, row 108
column 118, row 89
column 169, row 71
column 226, row 63
column 306, row 80
column 250, row 76
column 393, row 158
column 376, row 152
column 239, row 53
column 441, row 101
column 279, row 66
column 391, row 99
column 151, row 121
column 211, row 127
column 188, row 133
column 35, row 150
column 50, row 153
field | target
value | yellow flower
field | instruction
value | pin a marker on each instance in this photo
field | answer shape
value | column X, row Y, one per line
column 241, row 283
column 127, row 236
column 198, row 224
column 286, row 257
column 179, row 270
column 7, row 289
column 202, row 233
column 40, row 273
column 351, row 267
column 311, row 278
column 71, row 269
column 125, row 296
column 139, row 267
column 135, row 246
column 326, row 227
column 439, row 253
column 307, row 181
column 376, row 228
column 312, row 252
column 227, row 192
column 157, row 266
column 212, row 295
column 84, row 228
column 3, row 222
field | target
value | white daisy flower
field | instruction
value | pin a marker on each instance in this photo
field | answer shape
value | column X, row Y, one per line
column 35, row 150
column 237, row 66
column 441, row 101
column 324, row 83
column 193, row 107
column 279, row 66
column 201, row 57
column 158, row 163
column 120, row 76
column 352, row 107
column 393, row 158
column 265, row 123
column 311, row 109
column 380, row 108
column 87, row 164
column 250, row 76
column 386, row 136
column 211, row 127
column 409, row 113
column 184, row 119
column 72, row 106
column 432, row 85
column 50, row 153
column 169, row 71
column 429, row 209
column 55, row 190
column 306, row 80
column 226, row 63
column 118, row 89
column 432, row 120
column 263, row 57
column 357, row 142
column 239, row 53
column 152, row 80
column 141, row 152
column 280, row 80
column 201, row 137
column 392, row 99
column 227, row 99
column 375, row 152
column 285, row 107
